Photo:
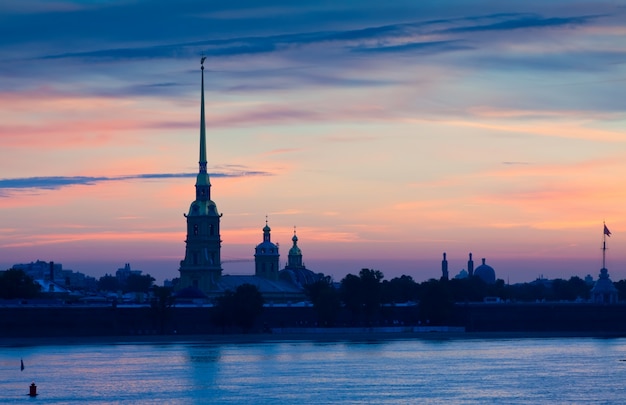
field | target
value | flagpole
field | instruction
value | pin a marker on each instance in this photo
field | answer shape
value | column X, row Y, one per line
column 604, row 231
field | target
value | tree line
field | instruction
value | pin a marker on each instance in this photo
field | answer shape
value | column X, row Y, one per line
column 364, row 296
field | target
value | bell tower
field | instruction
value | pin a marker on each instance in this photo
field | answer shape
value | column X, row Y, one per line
column 266, row 256
column 202, row 267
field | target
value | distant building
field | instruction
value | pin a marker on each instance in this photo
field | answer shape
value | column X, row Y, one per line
column 41, row 270
column 484, row 271
column 46, row 273
column 603, row 291
column 123, row 273
column 52, row 288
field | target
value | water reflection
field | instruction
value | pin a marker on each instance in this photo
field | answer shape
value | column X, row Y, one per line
column 525, row 371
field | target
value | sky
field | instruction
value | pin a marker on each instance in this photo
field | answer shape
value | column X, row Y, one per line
column 386, row 132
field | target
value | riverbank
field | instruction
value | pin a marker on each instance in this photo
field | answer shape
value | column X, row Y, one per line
column 144, row 324
column 251, row 338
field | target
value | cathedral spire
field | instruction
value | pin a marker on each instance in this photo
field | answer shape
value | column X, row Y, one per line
column 202, row 162
column 203, row 183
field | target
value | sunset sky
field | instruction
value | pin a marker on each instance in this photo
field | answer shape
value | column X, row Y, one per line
column 387, row 132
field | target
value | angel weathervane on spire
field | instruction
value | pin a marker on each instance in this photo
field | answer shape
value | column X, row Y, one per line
column 202, row 62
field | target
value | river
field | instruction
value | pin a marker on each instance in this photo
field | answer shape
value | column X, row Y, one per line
column 450, row 371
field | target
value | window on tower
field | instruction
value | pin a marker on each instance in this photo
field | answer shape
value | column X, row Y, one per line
column 195, row 229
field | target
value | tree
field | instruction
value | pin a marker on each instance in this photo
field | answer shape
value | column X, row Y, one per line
column 17, row 284
column 138, row 283
column 399, row 289
column 224, row 310
column 350, row 292
column 372, row 291
column 108, row 283
column 571, row 289
column 621, row 289
column 240, row 308
column 161, row 303
column 325, row 299
column 248, row 306
column 362, row 293
column 436, row 302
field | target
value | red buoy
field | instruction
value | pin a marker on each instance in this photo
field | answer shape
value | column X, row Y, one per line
column 33, row 390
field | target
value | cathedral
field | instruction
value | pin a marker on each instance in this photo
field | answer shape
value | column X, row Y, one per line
column 201, row 269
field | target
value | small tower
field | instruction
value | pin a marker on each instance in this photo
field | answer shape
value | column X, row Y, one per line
column 470, row 266
column 294, row 259
column 266, row 256
column 202, row 267
column 444, row 267
column 295, row 270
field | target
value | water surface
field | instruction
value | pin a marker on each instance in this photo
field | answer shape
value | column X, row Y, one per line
column 512, row 371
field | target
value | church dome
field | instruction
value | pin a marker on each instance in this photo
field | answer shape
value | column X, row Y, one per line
column 266, row 248
column 300, row 276
column 295, row 251
column 486, row 273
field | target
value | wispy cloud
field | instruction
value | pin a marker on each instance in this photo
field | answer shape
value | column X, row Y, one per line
column 57, row 182
column 506, row 22
column 417, row 47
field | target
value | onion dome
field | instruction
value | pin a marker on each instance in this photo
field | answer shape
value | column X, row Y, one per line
column 295, row 250
column 486, row 273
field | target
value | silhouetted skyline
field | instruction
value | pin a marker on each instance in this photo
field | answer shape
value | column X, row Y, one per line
column 387, row 133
